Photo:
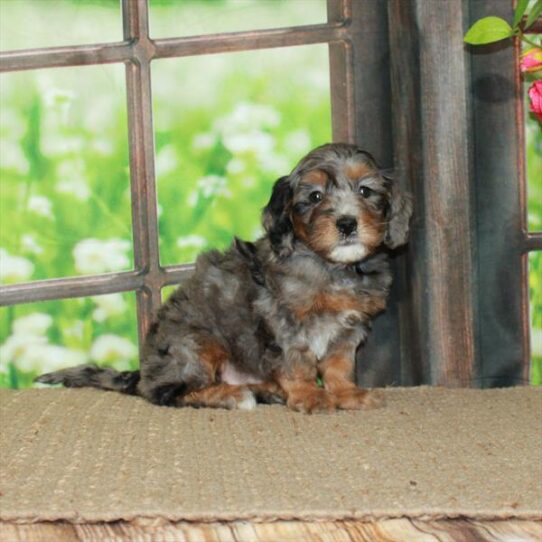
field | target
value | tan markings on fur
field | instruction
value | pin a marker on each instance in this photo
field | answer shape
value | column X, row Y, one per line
column 357, row 170
column 267, row 389
column 217, row 396
column 372, row 227
column 316, row 176
column 302, row 393
column 323, row 236
column 338, row 370
column 300, row 228
column 212, row 356
column 326, row 302
column 337, row 373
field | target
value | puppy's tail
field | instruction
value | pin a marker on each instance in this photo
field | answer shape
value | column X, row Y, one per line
column 92, row 376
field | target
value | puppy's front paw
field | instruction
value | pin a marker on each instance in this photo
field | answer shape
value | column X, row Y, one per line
column 311, row 400
column 357, row 399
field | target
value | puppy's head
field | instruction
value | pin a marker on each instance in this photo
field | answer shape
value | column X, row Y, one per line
column 337, row 202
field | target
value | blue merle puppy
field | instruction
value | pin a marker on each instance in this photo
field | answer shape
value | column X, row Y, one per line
column 260, row 321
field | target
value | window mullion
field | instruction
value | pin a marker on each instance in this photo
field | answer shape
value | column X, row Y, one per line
column 143, row 184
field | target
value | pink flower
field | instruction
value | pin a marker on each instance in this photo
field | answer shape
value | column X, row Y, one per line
column 535, row 95
column 531, row 60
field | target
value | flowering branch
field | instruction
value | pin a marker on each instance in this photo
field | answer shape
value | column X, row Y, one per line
column 493, row 29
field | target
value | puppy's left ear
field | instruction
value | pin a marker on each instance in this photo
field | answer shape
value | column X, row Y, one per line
column 399, row 213
column 276, row 218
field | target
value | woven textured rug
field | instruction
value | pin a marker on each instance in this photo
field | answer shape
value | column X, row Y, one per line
column 86, row 455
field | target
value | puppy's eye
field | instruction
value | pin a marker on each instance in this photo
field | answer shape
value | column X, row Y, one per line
column 365, row 191
column 316, row 196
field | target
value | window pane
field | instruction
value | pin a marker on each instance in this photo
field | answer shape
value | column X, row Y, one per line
column 51, row 335
column 222, row 138
column 64, row 179
column 535, row 290
column 26, row 24
column 166, row 292
column 170, row 18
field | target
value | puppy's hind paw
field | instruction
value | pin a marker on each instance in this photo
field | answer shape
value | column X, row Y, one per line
column 247, row 402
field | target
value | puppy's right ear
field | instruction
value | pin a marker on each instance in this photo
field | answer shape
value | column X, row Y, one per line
column 276, row 218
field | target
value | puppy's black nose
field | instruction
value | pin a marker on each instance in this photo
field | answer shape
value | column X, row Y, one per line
column 347, row 224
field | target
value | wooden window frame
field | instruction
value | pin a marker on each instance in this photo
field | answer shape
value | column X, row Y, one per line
column 458, row 315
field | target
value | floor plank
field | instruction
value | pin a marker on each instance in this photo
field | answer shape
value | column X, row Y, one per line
column 284, row 531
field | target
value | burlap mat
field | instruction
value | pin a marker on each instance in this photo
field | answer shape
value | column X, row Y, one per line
column 85, row 455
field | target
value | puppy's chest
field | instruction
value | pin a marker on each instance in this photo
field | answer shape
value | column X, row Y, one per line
column 324, row 316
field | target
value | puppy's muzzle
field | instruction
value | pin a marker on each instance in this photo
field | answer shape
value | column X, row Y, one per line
column 347, row 225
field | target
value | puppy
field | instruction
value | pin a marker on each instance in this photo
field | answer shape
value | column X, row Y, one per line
column 261, row 321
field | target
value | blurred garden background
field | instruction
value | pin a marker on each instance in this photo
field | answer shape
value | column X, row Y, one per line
column 226, row 126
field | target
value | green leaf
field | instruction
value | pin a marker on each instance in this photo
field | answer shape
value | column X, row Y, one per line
column 536, row 10
column 519, row 11
column 488, row 30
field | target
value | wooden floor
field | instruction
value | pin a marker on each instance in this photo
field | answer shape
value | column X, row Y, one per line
column 280, row 531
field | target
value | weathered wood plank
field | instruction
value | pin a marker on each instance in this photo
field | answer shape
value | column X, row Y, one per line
column 406, row 105
column 432, row 150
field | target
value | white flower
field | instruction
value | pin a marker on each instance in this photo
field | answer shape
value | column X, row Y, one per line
column 209, row 186
column 191, row 241
column 12, row 157
column 59, row 100
column 242, row 131
column 50, row 357
column 97, row 256
column 274, row 163
column 15, row 346
column 40, row 205
column 30, row 244
column 57, row 144
column 77, row 188
column 246, row 116
column 256, row 142
column 203, row 141
column 108, row 305
column 298, row 143
column 43, row 358
column 12, row 124
column 112, row 348
column 166, row 161
column 235, row 166
column 14, row 268
column 36, row 323
column 71, row 179
column 76, row 330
